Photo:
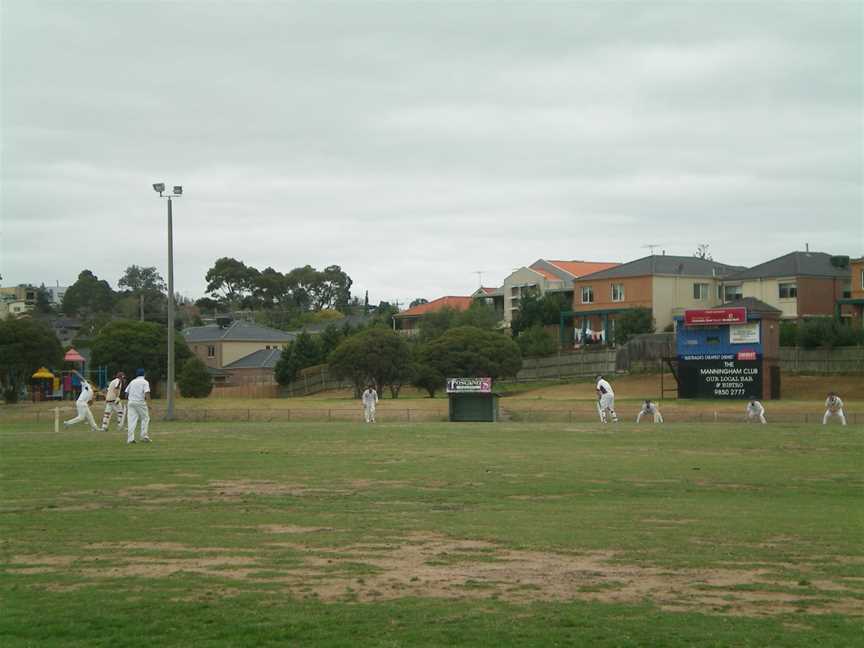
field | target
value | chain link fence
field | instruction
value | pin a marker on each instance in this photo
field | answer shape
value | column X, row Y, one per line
column 582, row 414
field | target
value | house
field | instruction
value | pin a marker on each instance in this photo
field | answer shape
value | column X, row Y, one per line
column 854, row 301
column 407, row 322
column 16, row 301
column 800, row 284
column 543, row 277
column 256, row 368
column 13, row 308
column 224, row 343
column 493, row 297
column 667, row 285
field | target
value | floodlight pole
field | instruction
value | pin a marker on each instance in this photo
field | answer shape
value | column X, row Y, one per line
column 159, row 187
column 169, row 414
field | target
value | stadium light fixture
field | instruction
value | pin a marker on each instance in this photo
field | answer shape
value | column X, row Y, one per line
column 159, row 187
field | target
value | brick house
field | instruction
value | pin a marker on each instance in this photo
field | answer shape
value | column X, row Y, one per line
column 800, row 284
column 667, row 285
column 408, row 321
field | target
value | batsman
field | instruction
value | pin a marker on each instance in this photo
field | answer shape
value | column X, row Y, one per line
column 114, row 402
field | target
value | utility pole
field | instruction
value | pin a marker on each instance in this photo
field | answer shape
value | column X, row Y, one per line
column 177, row 192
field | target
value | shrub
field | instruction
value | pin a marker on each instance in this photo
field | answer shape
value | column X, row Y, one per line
column 194, row 380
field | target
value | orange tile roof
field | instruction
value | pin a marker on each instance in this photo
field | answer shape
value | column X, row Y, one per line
column 581, row 268
column 456, row 303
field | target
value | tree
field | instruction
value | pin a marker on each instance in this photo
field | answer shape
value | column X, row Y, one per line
column 479, row 315
column 703, row 252
column 229, row 280
column 147, row 287
column 194, row 379
column 534, row 311
column 304, row 351
column 25, row 345
column 418, row 302
column 332, row 288
column 426, row 376
column 376, row 355
column 537, row 342
column 271, row 288
column 206, row 304
column 633, row 321
column 330, row 339
column 434, row 324
column 88, row 296
column 43, row 301
column 127, row 345
column 469, row 351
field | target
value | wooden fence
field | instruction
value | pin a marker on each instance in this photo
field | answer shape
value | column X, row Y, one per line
column 846, row 360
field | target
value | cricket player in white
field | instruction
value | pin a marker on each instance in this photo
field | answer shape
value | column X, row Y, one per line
column 370, row 399
column 755, row 411
column 114, row 401
column 138, row 392
column 83, row 405
column 607, row 400
column 833, row 407
column 650, row 408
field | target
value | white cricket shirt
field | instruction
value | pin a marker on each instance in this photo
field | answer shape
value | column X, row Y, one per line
column 137, row 388
column 86, row 393
column 113, row 391
column 605, row 387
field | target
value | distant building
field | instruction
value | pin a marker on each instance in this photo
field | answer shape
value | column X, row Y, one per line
column 855, row 300
column 667, row 285
column 542, row 277
column 407, row 322
column 800, row 284
column 220, row 346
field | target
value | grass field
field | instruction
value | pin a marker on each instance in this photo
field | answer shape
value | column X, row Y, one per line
column 433, row 534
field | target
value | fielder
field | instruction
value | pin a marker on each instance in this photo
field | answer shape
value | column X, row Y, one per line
column 833, row 407
column 138, row 392
column 650, row 408
column 370, row 399
column 607, row 400
column 83, row 405
column 114, row 402
column 755, row 411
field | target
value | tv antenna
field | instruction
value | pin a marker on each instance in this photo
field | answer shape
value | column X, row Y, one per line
column 651, row 247
column 479, row 274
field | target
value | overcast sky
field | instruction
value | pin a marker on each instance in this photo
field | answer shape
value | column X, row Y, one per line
column 416, row 144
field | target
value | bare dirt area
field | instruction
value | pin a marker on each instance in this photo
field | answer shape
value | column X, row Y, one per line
column 429, row 565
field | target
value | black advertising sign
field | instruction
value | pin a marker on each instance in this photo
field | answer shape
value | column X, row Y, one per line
column 720, row 376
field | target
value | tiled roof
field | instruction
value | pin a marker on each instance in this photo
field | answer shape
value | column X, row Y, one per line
column 667, row 265
column 237, row 331
column 794, row 264
column 261, row 359
column 752, row 305
column 456, row 303
column 581, row 268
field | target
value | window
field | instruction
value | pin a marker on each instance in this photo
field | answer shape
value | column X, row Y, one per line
column 587, row 295
column 847, row 289
column 788, row 290
column 731, row 293
column 700, row 291
column 617, row 292
column 211, row 351
column 862, row 279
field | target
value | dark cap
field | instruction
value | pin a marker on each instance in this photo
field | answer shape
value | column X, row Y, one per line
column 140, row 372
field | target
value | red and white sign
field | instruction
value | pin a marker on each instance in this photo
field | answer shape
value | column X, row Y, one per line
column 715, row 316
column 746, row 355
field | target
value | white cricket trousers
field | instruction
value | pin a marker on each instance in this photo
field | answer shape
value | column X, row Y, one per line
column 369, row 413
column 138, row 410
column 760, row 417
column 607, row 404
column 839, row 413
column 84, row 414
column 658, row 418
column 110, row 408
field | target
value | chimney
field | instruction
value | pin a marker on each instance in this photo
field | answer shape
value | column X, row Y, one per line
column 806, row 247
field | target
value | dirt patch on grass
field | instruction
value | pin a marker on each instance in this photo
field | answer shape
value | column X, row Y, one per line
column 290, row 528
column 426, row 565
